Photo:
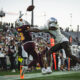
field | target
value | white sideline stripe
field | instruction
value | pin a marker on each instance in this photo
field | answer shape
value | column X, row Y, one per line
column 40, row 75
column 37, row 75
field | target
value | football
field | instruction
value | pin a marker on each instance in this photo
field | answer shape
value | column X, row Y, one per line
column 30, row 8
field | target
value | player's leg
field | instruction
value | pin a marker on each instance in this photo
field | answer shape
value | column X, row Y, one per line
column 43, row 60
column 53, row 49
column 69, row 53
column 46, row 69
column 37, row 58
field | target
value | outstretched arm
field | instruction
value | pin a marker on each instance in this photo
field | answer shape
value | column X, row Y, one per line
column 36, row 30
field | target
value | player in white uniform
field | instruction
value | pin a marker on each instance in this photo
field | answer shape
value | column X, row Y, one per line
column 61, row 42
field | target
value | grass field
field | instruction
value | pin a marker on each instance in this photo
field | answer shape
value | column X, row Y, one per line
column 73, row 76
column 59, row 77
column 36, row 75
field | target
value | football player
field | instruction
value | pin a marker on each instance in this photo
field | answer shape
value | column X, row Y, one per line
column 27, row 45
column 61, row 42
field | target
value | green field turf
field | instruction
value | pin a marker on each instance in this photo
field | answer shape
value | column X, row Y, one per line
column 36, row 75
column 73, row 76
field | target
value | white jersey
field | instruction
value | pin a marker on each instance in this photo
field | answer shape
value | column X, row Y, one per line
column 59, row 37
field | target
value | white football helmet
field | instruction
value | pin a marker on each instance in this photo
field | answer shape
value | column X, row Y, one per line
column 20, row 22
column 52, row 22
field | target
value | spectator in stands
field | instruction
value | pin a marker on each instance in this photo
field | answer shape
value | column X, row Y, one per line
column 12, row 55
column 3, row 60
column 63, row 59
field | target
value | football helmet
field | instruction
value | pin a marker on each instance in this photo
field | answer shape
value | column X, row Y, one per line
column 52, row 22
column 20, row 22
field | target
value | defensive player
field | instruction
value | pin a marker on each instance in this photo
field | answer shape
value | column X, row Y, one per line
column 61, row 42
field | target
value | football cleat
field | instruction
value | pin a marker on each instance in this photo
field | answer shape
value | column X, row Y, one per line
column 44, row 71
column 48, row 70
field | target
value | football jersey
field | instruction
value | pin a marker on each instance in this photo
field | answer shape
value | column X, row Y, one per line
column 24, row 34
column 59, row 37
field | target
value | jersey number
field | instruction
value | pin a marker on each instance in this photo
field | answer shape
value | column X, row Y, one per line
column 22, row 36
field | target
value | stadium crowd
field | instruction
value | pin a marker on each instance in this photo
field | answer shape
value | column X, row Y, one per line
column 10, row 41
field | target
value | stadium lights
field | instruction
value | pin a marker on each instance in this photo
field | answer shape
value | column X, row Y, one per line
column 2, row 13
